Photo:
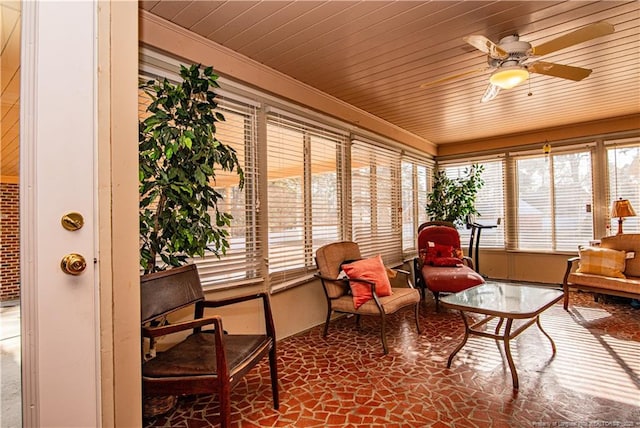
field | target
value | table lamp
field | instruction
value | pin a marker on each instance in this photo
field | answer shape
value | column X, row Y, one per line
column 621, row 208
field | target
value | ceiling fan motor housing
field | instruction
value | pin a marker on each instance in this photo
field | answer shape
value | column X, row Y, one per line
column 517, row 49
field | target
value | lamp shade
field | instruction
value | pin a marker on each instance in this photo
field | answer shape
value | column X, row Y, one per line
column 622, row 208
column 509, row 77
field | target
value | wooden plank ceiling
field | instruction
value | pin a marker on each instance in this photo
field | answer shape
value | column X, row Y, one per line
column 375, row 55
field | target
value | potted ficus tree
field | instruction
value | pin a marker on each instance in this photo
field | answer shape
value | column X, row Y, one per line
column 178, row 157
column 453, row 199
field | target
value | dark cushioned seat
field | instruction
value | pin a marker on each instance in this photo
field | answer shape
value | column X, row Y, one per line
column 196, row 355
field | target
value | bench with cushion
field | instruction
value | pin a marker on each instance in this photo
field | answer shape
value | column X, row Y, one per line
column 612, row 268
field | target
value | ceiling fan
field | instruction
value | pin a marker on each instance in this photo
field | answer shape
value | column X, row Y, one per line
column 508, row 58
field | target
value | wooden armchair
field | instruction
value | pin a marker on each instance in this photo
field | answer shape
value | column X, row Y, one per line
column 330, row 260
column 207, row 361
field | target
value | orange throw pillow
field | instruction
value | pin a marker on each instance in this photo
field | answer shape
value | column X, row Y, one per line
column 373, row 270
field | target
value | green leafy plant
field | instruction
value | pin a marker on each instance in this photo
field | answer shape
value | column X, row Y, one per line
column 453, row 199
column 178, row 157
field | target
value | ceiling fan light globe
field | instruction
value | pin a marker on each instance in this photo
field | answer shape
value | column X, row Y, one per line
column 509, row 77
column 491, row 92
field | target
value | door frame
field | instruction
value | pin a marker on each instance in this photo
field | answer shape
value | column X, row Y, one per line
column 114, row 225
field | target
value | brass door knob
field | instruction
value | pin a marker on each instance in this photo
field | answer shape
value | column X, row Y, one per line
column 73, row 264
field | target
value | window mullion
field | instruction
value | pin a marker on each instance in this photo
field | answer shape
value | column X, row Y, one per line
column 307, row 201
column 552, row 202
column 343, row 168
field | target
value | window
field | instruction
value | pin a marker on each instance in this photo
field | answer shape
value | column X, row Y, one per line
column 624, row 176
column 489, row 201
column 304, row 188
column 375, row 201
column 242, row 259
column 554, row 201
column 416, row 178
column 423, row 176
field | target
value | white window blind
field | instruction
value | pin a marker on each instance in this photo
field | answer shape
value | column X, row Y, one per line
column 624, row 182
column 554, row 209
column 534, row 203
column 408, row 202
column 326, row 188
column 375, row 204
column 242, row 260
column 490, row 201
column 416, row 176
column 304, row 193
column 424, row 175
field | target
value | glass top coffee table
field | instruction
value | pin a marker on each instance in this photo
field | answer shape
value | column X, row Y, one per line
column 507, row 302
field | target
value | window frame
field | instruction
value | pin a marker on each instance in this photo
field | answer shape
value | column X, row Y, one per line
column 380, row 235
column 613, row 186
column 418, row 192
column 153, row 63
column 310, row 131
column 555, row 242
column 500, row 221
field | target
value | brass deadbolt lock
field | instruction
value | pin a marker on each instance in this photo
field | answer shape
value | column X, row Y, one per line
column 72, row 221
column 73, row 264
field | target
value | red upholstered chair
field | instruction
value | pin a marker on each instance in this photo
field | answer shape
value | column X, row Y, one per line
column 436, row 269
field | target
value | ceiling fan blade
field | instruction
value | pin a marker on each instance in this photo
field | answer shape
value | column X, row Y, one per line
column 580, row 35
column 558, row 70
column 486, row 46
column 452, row 77
column 491, row 92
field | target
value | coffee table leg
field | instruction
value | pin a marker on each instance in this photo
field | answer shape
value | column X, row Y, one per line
column 553, row 345
column 496, row 333
column 464, row 340
column 507, row 350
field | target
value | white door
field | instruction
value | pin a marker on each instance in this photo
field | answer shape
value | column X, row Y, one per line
column 61, row 358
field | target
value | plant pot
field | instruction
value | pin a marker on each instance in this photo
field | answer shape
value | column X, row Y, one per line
column 156, row 406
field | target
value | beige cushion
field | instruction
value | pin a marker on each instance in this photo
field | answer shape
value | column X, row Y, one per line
column 626, row 242
column 400, row 298
column 629, row 285
column 602, row 261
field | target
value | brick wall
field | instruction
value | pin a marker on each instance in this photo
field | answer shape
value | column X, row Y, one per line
column 10, row 241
